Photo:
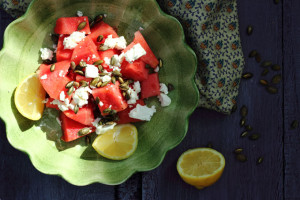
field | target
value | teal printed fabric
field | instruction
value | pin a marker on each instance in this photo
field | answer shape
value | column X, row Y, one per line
column 212, row 30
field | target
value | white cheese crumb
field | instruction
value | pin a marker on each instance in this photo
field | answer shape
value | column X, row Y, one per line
column 58, row 121
column 44, row 76
column 101, row 103
column 91, row 71
column 100, row 129
column 46, row 54
column 163, row 88
column 141, row 28
column 62, row 96
column 137, row 86
column 61, row 105
column 81, row 96
column 45, row 101
column 105, row 15
column 115, row 43
column 79, row 13
column 142, row 112
column 164, row 100
column 93, row 56
column 61, row 72
column 105, row 78
column 72, row 41
column 54, row 47
column 156, row 69
column 135, row 53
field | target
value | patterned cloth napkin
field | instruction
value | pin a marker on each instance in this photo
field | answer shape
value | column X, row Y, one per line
column 212, row 30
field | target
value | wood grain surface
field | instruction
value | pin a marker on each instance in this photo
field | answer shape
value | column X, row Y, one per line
column 276, row 37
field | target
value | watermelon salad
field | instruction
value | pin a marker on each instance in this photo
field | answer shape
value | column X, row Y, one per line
column 96, row 79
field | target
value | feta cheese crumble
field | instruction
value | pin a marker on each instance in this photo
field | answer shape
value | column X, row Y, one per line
column 115, row 43
column 163, row 88
column 134, row 92
column 44, row 77
column 81, row 96
column 142, row 112
column 105, row 78
column 45, row 101
column 135, row 53
column 164, row 100
column 79, row 13
column 100, row 129
column 72, row 41
column 91, row 71
column 156, row 69
column 46, row 54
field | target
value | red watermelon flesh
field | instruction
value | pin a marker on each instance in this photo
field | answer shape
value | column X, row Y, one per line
column 79, row 78
column 102, row 29
column 124, row 114
column 70, row 128
column 150, row 87
column 84, row 115
column 61, row 53
column 110, row 96
column 136, row 70
column 67, row 25
column 86, row 50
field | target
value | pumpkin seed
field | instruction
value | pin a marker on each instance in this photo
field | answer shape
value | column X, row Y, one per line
column 107, row 110
column 244, row 134
column 258, row 58
column 238, row 150
column 69, row 84
column 95, row 81
column 259, row 160
column 244, row 111
column 83, row 83
column 247, row 75
column 104, row 83
column 242, row 121
column 129, row 81
column 54, row 38
column 70, row 90
column 100, row 67
column 87, row 139
column 252, row 53
column 102, row 47
column 113, row 61
column 80, row 72
column 272, row 89
column 98, row 18
column 121, row 80
column 98, row 62
column 97, row 100
column 116, row 73
column 76, row 108
column 52, row 68
column 99, row 84
column 160, row 63
column 84, row 131
column 276, row 79
column 234, row 108
column 82, row 64
column 124, row 87
column 249, row 30
column 267, row 63
column 276, row 67
column 276, row 1
column 170, row 87
column 110, row 122
column 126, row 95
column 294, row 124
column 81, row 26
column 47, row 62
column 73, row 65
column 103, row 74
column 263, row 82
column 99, row 38
column 76, row 84
column 241, row 157
column 248, row 128
column 254, row 136
column 265, row 72
column 113, row 112
column 113, row 79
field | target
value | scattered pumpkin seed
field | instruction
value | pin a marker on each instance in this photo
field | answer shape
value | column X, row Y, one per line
column 54, row 38
column 104, row 83
column 52, row 68
column 258, row 58
column 234, row 108
column 83, row 83
column 113, row 61
column 76, row 109
column 87, row 139
column 276, row 79
column 98, row 62
column 160, row 63
column 100, row 67
column 241, row 157
column 76, row 84
column 242, row 121
column 113, row 79
column 95, row 81
column 248, row 128
column 252, row 53
column 249, row 30
column 116, row 73
column 124, row 87
column 244, row 111
column 276, row 67
column 263, row 82
column 170, row 87
column 247, row 75
column 121, row 80
column 73, row 65
column 84, row 131
column 98, row 18
column 99, row 84
column 101, row 47
column 272, row 89
column 129, row 81
column 238, row 150
column 294, row 124
column 244, row 134
column 69, row 84
column 80, row 72
column 259, row 160
column 82, row 64
column 47, row 62
column 70, row 90
column 99, row 38
column 103, row 74
column 97, row 100
column 110, row 122
column 81, row 26
column 265, row 72
column 107, row 110
column 266, row 63
column 254, row 136
column 113, row 112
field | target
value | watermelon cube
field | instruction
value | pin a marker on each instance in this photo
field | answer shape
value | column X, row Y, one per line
column 102, row 29
column 124, row 114
column 150, row 87
column 84, row 115
column 136, row 70
column 67, row 25
column 61, row 52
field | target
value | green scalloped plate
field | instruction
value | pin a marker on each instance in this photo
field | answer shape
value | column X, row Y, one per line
column 75, row 162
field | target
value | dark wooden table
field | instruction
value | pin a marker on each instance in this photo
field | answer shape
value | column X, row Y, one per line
column 276, row 36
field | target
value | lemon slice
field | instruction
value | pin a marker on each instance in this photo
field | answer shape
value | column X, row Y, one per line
column 117, row 143
column 201, row 167
column 29, row 96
